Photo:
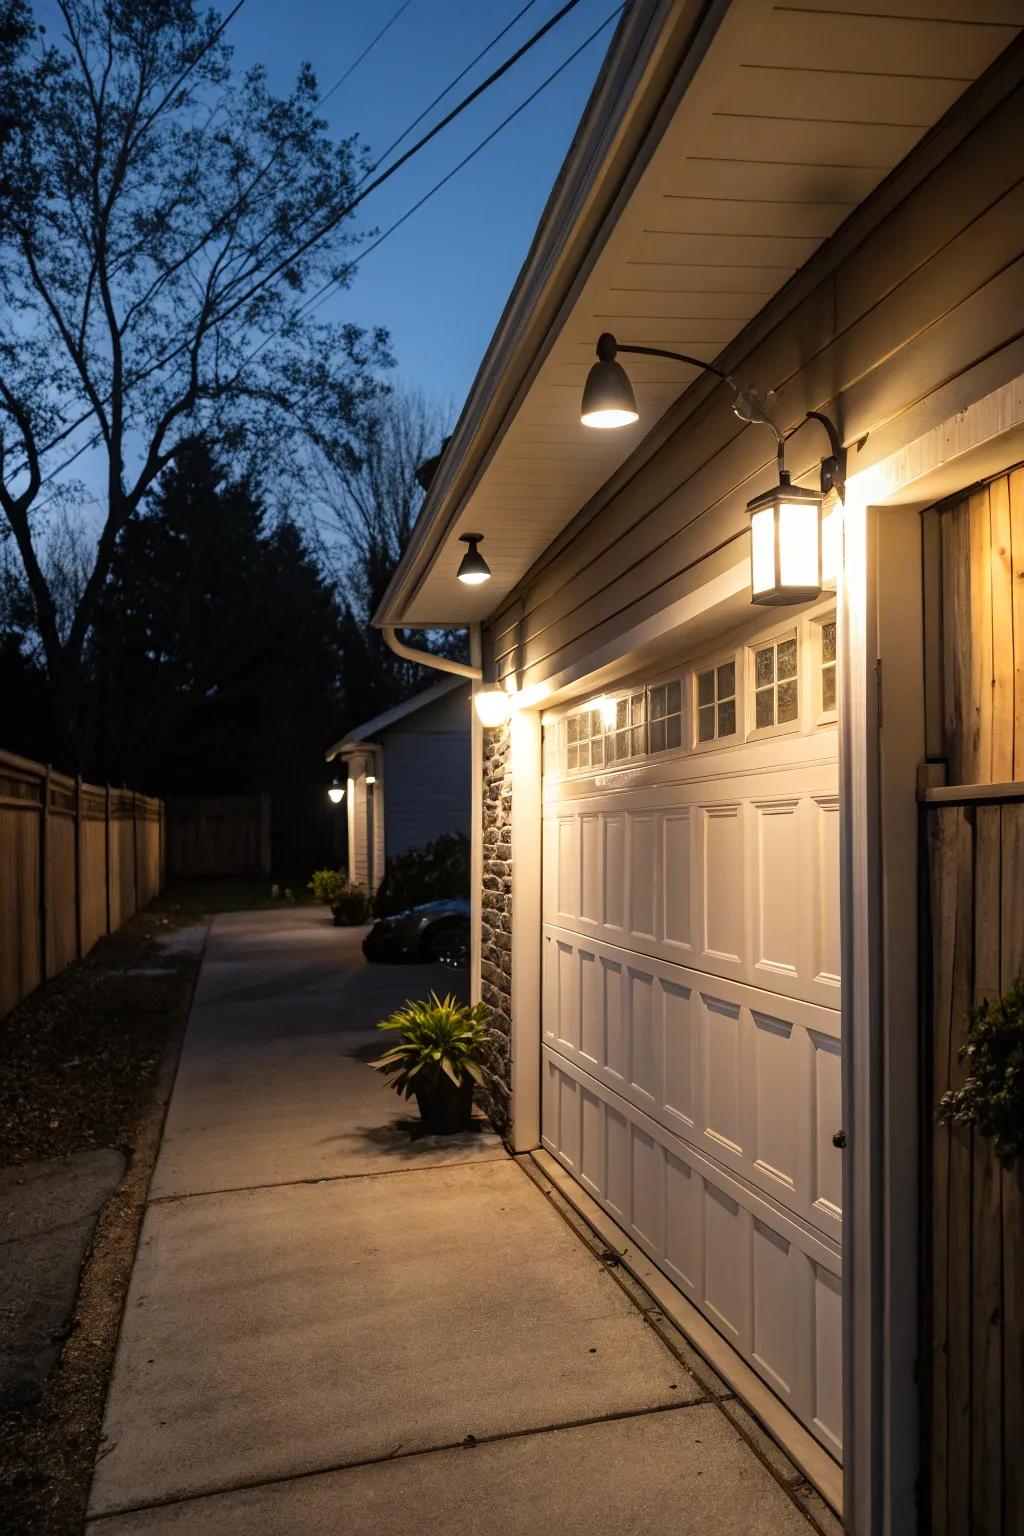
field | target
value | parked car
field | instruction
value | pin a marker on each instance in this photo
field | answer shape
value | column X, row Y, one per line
column 436, row 930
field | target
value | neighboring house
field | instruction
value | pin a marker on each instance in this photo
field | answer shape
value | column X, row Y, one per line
column 698, row 837
column 407, row 777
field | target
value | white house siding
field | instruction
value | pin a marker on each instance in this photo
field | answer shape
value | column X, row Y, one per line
column 923, row 286
column 426, row 786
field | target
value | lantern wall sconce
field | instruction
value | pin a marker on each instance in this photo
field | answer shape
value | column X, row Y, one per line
column 336, row 791
column 493, row 707
column 785, row 522
column 474, row 568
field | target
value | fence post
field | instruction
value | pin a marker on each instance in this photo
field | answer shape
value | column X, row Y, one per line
column 79, row 846
column 44, row 894
column 135, row 850
column 106, row 857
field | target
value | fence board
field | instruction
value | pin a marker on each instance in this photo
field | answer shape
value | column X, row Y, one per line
column 975, row 862
column 58, row 851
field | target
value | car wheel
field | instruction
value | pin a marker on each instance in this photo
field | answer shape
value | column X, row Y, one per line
column 449, row 946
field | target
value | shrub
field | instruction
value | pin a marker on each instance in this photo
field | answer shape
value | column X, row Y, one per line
column 437, row 870
column 992, row 1098
column 349, row 903
column 328, row 885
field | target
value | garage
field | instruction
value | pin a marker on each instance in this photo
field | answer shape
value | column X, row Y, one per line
column 691, row 1050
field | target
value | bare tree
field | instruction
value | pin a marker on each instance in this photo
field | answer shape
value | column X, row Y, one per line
column 371, row 496
column 163, row 222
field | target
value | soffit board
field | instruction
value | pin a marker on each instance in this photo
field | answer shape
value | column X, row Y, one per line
column 794, row 117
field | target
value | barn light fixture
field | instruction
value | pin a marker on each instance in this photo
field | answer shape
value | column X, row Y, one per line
column 785, row 522
column 492, row 706
column 336, row 791
column 474, row 568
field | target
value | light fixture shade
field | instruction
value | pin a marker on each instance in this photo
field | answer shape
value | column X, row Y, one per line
column 492, row 707
column 336, row 791
column 785, row 545
column 371, row 778
column 608, row 399
column 474, row 568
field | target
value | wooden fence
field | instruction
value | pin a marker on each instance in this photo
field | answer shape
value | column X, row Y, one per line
column 974, row 1340
column 219, row 835
column 76, row 861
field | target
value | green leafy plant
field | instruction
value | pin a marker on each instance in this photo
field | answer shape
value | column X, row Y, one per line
column 992, row 1098
column 328, row 885
column 439, row 1036
column 436, row 871
column 349, row 903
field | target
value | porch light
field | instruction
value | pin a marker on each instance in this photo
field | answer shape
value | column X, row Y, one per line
column 785, row 544
column 371, row 778
column 474, row 568
column 336, row 791
column 608, row 399
column 492, row 707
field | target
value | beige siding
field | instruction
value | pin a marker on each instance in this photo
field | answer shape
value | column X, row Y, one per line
column 920, row 286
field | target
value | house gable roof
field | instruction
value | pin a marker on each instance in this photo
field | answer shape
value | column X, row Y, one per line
column 361, row 734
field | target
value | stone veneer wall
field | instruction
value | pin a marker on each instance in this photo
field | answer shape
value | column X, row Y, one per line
column 496, row 906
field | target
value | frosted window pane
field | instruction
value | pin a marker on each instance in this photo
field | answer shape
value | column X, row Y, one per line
column 828, row 687
column 706, row 723
column 572, row 727
column 787, row 702
column 673, row 698
column 674, row 731
column 572, row 757
column 657, row 703
column 706, row 687
column 636, row 705
column 657, row 735
column 597, row 751
column 584, row 754
column 638, row 740
column 764, row 666
column 787, row 658
column 828, row 641
column 727, row 680
column 764, row 707
column 727, row 718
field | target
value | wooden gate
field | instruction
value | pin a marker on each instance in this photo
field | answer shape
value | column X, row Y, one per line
column 974, row 1327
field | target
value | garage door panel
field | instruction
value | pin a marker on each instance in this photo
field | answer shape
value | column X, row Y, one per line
column 711, row 1060
column 770, row 1284
column 746, row 889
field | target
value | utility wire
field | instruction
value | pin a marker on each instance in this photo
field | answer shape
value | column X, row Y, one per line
column 368, row 49
column 453, row 83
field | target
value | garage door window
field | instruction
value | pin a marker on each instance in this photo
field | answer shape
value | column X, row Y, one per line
column 665, row 716
column 827, row 674
column 628, row 738
column 774, row 668
column 584, row 741
column 716, row 702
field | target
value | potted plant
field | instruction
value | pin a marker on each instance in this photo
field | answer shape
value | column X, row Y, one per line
column 440, row 1058
column 349, row 903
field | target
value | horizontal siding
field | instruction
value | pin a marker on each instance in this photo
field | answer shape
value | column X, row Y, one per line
column 426, row 787
column 925, row 295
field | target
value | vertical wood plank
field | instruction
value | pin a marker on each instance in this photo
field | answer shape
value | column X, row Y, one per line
column 942, row 863
column 1012, row 1193
column 1002, row 631
column 986, row 1225
column 1016, row 502
column 960, row 1192
column 979, row 723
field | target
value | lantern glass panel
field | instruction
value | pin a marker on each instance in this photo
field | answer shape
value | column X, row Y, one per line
column 799, row 551
column 762, row 550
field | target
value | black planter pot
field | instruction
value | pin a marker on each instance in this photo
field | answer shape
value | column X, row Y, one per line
column 446, row 1109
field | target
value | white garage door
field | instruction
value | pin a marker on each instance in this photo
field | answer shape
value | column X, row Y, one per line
column 691, row 1060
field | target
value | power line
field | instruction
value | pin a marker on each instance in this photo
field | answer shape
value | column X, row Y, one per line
column 453, row 83
column 368, row 49
column 315, row 299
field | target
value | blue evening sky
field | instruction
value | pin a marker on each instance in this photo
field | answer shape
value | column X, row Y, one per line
column 440, row 282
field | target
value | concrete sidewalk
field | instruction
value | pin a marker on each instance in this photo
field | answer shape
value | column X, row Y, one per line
column 336, row 1325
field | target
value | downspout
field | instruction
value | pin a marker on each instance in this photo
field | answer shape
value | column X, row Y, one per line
column 428, row 658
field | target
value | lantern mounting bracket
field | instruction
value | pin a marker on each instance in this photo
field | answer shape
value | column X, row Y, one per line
column 833, row 469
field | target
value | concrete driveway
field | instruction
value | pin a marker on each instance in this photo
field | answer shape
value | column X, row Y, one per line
column 337, row 1325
